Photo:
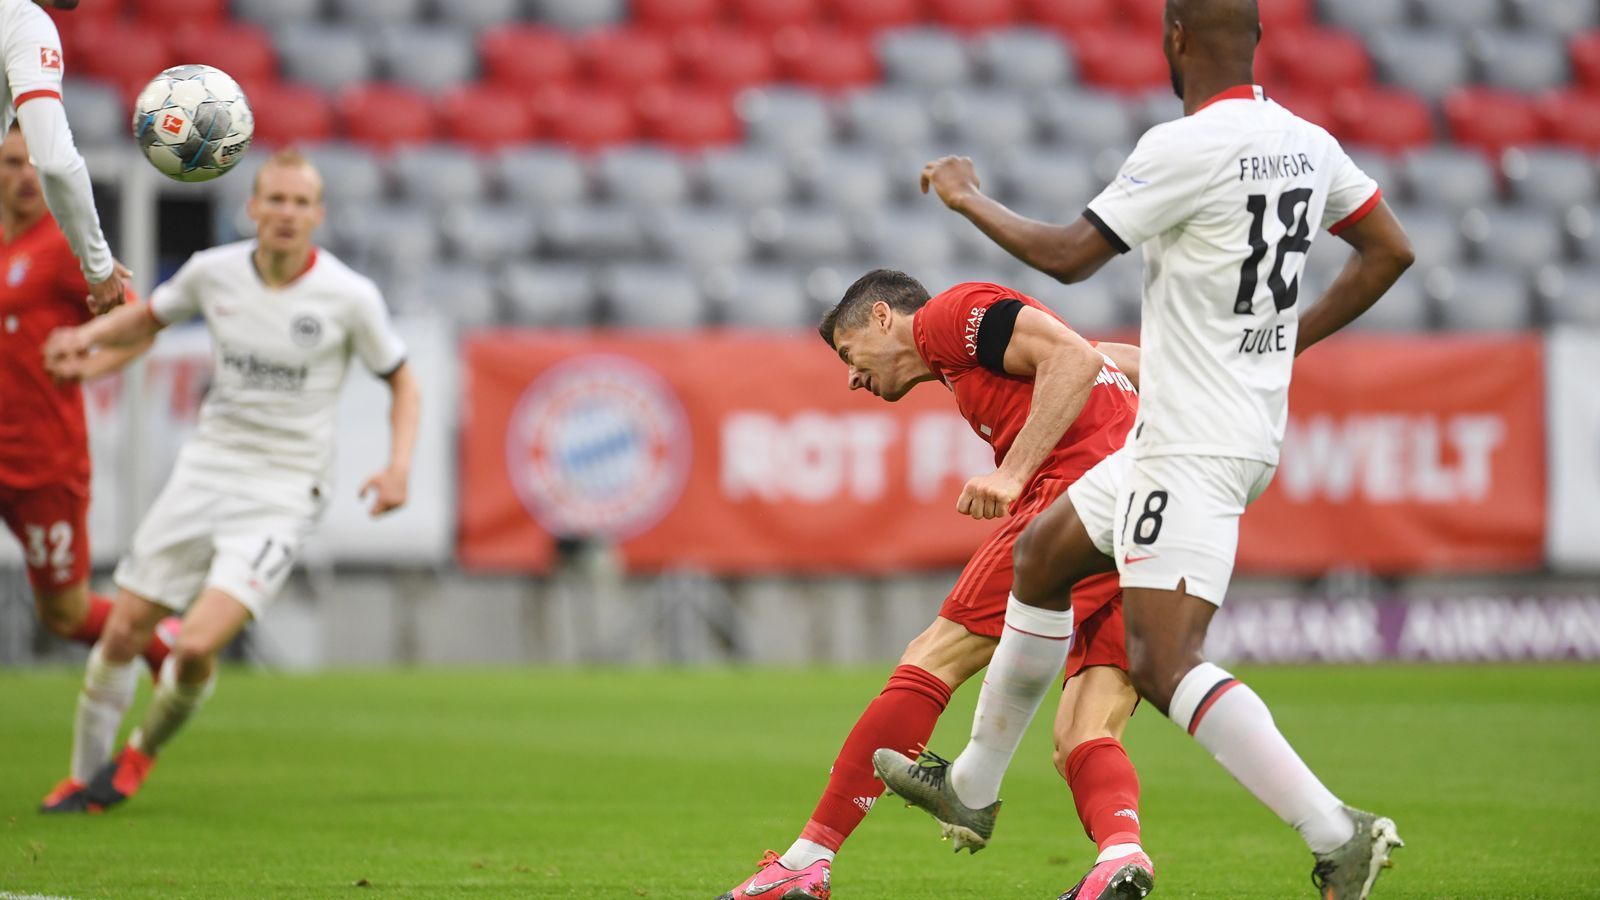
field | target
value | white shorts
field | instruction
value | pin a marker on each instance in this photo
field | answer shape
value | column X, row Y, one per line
column 195, row 536
column 1170, row 519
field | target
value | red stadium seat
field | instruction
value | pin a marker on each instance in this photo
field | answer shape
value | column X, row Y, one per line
column 386, row 116
column 770, row 15
column 725, row 57
column 125, row 54
column 1317, row 58
column 587, row 117
column 1071, row 17
column 1384, row 119
column 1492, row 120
column 1313, row 106
column 1572, row 118
column 875, row 15
column 1284, row 15
column 664, row 15
column 242, row 50
column 627, row 57
column 290, row 114
column 199, row 12
column 975, row 15
column 1123, row 59
column 486, row 117
column 526, row 56
column 689, row 118
column 1145, row 15
column 1585, row 51
column 828, row 59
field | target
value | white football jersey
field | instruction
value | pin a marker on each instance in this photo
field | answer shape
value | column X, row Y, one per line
column 1226, row 202
column 280, row 356
column 32, row 50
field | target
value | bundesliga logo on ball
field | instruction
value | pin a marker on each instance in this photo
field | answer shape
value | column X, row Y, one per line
column 193, row 123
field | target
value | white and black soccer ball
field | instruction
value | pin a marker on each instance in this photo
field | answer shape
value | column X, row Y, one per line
column 193, row 123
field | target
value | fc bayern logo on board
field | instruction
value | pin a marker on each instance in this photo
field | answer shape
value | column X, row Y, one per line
column 598, row 445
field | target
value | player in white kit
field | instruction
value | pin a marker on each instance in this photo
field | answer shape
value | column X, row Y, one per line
column 1225, row 202
column 250, row 485
column 31, row 96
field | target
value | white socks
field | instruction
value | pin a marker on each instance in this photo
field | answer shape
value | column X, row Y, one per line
column 171, row 706
column 107, row 693
column 1228, row 719
column 1028, row 660
column 803, row 853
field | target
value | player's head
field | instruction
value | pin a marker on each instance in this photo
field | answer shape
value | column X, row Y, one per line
column 870, row 329
column 1219, row 36
column 20, row 194
column 287, row 202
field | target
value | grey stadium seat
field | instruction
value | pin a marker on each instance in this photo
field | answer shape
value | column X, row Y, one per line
column 990, row 119
column 1156, row 107
column 973, row 246
column 642, row 176
column 1363, row 15
column 802, row 234
column 350, row 174
column 846, row 178
column 911, row 240
column 1046, row 178
column 744, row 177
column 1086, row 118
column 1450, row 177
column 278, row 12
column 1583, row 229
column 1523, row 61
column 1429, row 63
column 433, row 58
column 1553, row 178
column 1406, row 306
column 377, row 12
column 1481, row 298
column 1090, row 307
column 1024, row 59
column 785, row 118
column 764, row 297
column 549, row 293
column 654, row 295
column 439, row 174
column 95, row 112
column 489, row 234
column 704, row 238
column 889, row 117
column 543, row 176
column 462, row 293
column 1558, row 16
column 329, row 57
column 1521, row 239
column 923, row 58
column 1124, row 275
column 1381, row 167
column 1435, row 235
column 1573, row 295
column 1460, row 14
column 398, row 241
column 592, row 232
column 579, row 14
column 479, row 13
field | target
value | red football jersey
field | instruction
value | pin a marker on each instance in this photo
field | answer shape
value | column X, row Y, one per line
column 43, row 439
column 996, row 405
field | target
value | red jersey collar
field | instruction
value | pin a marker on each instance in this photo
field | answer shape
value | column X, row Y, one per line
column 311, row 261
column 1237, row 92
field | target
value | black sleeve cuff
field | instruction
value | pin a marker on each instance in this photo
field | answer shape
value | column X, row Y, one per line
column 994, row 335
column 1111, row 236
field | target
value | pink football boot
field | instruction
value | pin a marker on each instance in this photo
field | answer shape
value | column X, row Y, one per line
column 1130, row 877
column 810, row 883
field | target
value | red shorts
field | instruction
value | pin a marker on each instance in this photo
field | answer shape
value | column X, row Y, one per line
column 978, row 601
column 52, row 522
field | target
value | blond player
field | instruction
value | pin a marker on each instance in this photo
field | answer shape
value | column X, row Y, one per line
column 285, row 319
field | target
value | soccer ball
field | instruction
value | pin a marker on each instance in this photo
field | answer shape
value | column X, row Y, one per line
column 193, row 123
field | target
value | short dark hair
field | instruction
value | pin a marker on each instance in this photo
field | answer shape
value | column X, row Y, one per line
column 902, row 292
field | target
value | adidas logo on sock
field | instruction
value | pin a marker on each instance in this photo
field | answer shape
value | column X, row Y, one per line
column 1129, row 813
column 865, row 803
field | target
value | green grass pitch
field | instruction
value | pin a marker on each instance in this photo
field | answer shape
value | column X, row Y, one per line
column 670, row 783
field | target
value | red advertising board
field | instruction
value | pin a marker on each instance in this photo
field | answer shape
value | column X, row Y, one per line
column 742, row 453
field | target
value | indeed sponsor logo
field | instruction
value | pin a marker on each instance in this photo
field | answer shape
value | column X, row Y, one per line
column 258, row 372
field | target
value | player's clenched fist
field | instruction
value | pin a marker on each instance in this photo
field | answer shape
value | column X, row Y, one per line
column 104, row 296
column 387, row 490
column 954, row 178
column 64, row 353
column 989, row 496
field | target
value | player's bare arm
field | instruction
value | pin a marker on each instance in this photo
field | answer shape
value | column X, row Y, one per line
column 1124, row 356
column 1382, row 254
column 1063, row 367
column 389, row 487
column 1068, row 253
column 125, row 332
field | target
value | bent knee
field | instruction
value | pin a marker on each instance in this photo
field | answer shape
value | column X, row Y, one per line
column 1036, row 581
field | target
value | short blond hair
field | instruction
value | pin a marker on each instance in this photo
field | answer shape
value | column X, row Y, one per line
column 289, row 157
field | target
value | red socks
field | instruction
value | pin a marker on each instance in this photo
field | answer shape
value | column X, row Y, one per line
column 1105, row 789
column 95, row 621
column 902, row 717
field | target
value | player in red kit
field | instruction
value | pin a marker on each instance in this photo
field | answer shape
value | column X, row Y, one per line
column 44, row 449
column 1052, row 405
